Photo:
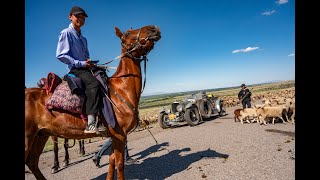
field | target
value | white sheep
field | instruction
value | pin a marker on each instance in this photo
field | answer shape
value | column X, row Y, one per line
column 246, row 113
column 292, row 108
column 272, row 112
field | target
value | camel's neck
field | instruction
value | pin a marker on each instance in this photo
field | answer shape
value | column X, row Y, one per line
column 127, row 80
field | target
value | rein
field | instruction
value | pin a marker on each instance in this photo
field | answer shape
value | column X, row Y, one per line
column 128, row 52
column 136, row 45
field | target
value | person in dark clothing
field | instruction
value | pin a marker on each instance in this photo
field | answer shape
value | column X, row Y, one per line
column 72, row 49
column 96, row 158
column 245, row 97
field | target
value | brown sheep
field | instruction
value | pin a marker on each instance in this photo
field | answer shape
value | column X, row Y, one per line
column 236, row 115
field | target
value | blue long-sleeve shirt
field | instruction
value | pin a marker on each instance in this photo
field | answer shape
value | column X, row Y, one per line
column 72, row 48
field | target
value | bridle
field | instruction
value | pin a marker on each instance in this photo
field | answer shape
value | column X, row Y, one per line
column 136, row 46
column 129, row 49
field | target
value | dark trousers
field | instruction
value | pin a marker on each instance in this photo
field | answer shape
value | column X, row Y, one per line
column 246, row 103
column 92, row 89
column 106, row 146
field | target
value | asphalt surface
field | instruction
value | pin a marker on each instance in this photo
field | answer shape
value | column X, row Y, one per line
column 218, row 149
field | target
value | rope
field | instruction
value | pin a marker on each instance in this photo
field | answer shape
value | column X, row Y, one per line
column 152, row 135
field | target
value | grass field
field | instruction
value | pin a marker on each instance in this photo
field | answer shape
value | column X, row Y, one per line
column 151, row 105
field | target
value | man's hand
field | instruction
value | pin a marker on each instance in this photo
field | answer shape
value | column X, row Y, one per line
column 239, row 101
column 89, row 64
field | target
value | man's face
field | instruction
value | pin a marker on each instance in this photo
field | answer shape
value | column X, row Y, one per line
column 78, row 20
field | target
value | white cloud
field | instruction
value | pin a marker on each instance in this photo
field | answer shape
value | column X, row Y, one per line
column 291, row 55
column 236, row 51
column 268, row 13
column 282, row 1
column 248, row 49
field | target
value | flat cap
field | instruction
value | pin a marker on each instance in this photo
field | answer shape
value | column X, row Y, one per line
column 78, row 10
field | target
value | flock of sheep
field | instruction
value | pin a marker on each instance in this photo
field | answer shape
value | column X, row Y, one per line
column 280, row 105
column 274, row 103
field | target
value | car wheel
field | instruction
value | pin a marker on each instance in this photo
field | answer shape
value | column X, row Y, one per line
column 223, row 111
column 192, row 116
column 205, row 108
column 163, row 120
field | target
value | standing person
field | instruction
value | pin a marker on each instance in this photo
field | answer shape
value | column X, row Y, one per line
column 245, row 96
column 96, row 158
column 72, row 49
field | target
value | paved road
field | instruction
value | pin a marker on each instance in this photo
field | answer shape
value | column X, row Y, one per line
column 219, row 149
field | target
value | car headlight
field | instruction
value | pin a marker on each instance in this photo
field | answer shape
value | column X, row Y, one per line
column 179, row 108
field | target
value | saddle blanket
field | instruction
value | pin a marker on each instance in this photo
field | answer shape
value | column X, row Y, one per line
column 63, row 98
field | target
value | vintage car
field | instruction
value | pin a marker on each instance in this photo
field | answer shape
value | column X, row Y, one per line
column 192, row 110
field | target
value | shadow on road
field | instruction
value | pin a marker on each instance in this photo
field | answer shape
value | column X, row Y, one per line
column 288, row 133
column 145, row 153
column 89, row 156
column 216, row 117
column 165, row 165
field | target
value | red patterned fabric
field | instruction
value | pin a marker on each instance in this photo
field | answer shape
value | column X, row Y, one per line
column 63, row 99
column 53, row 81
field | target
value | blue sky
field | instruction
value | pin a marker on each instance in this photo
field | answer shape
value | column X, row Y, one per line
column 205, row 43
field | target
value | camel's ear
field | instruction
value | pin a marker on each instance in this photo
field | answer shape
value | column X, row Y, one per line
column 118, row 32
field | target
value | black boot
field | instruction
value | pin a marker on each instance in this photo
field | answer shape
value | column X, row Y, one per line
column 96, row 162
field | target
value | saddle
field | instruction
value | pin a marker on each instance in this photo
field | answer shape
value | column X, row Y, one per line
column 68, row 94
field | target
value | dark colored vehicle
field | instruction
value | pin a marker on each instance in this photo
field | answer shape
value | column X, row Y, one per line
column 191, row 110
column 209, row 105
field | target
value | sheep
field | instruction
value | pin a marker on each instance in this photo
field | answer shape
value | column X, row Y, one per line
column 246, row 113
column 272, row 112
column 292, row 111
column 256, row 106
column 293, row 116
column 236, row 115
